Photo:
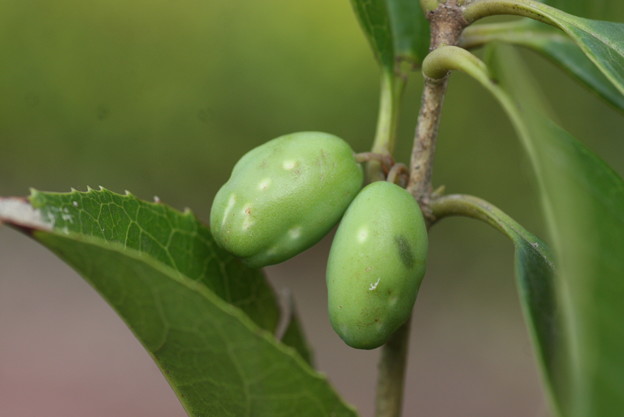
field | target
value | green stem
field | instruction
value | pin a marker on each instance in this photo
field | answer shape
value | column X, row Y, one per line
column 448, row 58
column 476, row 208
column 391, row 377
column 387, row 119
column 398, row 174
column 526, row 8
column 429, row 5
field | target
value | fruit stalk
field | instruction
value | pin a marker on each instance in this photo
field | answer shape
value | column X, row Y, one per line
column 391, row 379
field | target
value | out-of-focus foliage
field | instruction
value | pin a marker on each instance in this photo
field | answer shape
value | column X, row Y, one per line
column 160, row 98
column 166, row 97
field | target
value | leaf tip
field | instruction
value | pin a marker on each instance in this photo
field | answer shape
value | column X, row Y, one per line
column 33, row 191
column 19, row 212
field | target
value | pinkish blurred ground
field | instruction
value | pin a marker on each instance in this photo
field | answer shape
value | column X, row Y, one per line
column 64, row 353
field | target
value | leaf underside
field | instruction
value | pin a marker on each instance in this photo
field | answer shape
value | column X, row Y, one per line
column 206, row 319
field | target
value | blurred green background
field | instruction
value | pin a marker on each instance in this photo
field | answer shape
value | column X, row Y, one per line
column 161, row 98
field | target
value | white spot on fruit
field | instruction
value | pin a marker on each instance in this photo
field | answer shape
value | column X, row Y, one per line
column 247, row 223
column 228, row 208
column 272, row 250
column 362, row 234
column 373, row 286
column 289, row 164
column 295, row 232
column 264, row 184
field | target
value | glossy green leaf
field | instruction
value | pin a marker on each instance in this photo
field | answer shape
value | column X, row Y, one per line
column 216, row 359
column 563, row 52
column 396, row 29
column 534, row 269
column 553, row 45
column 177, row 240
column 602, row 42
column 583, row 201
column 183, row 298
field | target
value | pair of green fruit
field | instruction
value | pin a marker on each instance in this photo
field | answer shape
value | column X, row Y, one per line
column 285, row 195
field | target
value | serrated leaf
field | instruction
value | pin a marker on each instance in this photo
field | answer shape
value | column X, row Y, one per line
column 584, row 204
column 178, row 240
column 153, row 266
column 396, row 29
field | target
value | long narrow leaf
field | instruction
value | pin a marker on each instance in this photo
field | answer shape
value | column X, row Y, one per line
column 602, row 42
column 553, row 45
column 583, row 200
column 534, row 268
column 563, row 52
column 584, row 204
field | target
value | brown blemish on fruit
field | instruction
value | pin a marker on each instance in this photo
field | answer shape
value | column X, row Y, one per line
column 405, row 251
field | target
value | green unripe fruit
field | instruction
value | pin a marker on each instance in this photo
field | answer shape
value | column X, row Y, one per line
column 376, row 264
column 284, row 196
